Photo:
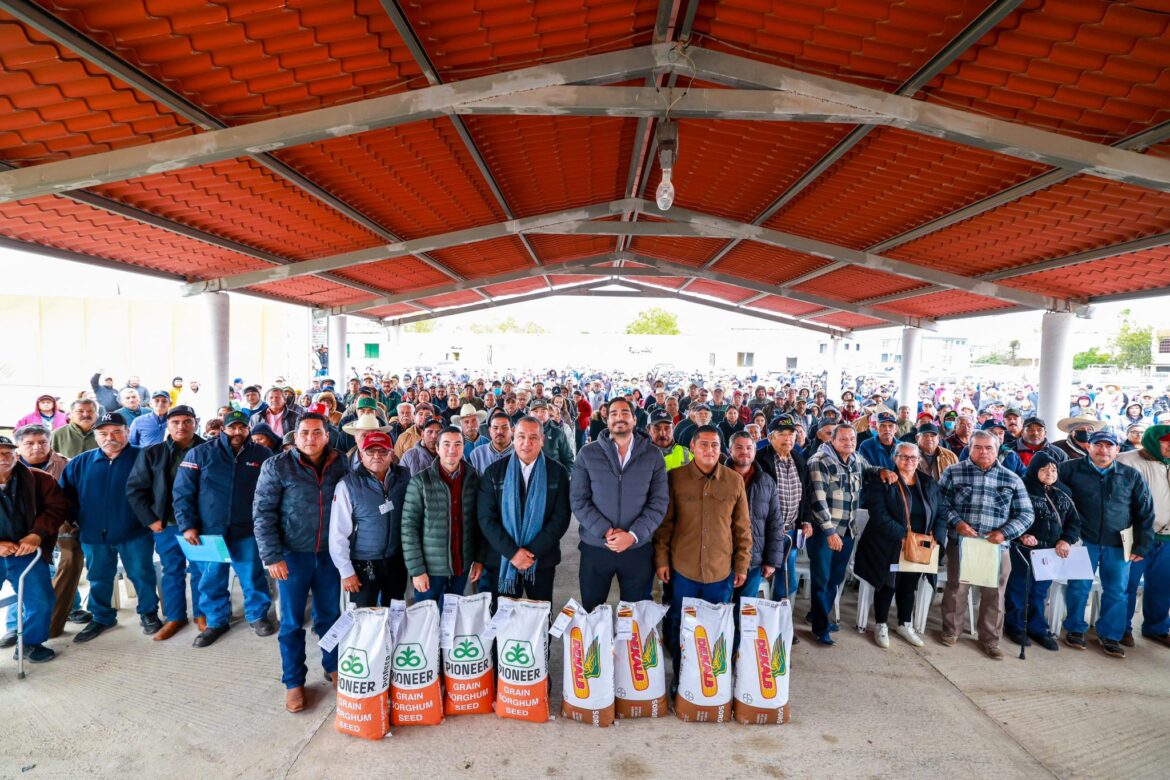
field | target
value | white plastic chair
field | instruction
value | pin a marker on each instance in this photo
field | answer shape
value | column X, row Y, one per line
column 865, row 594
column 924, row 599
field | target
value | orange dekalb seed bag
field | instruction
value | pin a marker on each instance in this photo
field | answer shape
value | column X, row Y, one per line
column 763, row 665
column 704, row 686
column 639, row 667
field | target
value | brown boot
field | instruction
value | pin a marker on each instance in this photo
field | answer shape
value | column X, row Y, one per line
column 201, row 623
column 294, row 699
column 169, row 629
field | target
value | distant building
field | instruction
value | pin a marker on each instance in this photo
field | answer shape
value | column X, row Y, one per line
column 938, row 352
column 1161, row 351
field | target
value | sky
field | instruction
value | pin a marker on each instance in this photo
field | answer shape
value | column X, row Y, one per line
column 576, row 314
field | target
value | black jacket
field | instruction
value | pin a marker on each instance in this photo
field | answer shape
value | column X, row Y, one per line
column 1054, row 512
column 1109, row 503
column 546, row 545
column 881, row 543
column 292, row 504
column 149, row 490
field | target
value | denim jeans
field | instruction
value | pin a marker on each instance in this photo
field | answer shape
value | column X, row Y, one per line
column 1114, row 573
column 781, row 589
column 1155, row 567
column 719, row 592
column 101, row 567
column 441, row 586
column 174, row 576
column 38, row 596
column 827, row 572
column 11, row 621
column 215, row 601
column 315, row 573
column 1022, row 586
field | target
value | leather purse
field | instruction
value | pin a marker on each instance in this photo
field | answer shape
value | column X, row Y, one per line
column 916, row 548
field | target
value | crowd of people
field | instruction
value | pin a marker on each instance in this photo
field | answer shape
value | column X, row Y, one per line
column 441, row 484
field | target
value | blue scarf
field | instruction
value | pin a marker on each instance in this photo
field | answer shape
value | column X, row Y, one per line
column 521, row 528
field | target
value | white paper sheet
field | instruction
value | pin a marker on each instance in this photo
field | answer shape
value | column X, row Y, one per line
column 1047, row 565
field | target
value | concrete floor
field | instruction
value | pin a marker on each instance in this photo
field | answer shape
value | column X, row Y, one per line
column 125, row 706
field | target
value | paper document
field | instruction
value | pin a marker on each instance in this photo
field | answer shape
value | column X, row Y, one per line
column 211, row 549
column 1126, row 543
column 1047, row 565
column 979, row 562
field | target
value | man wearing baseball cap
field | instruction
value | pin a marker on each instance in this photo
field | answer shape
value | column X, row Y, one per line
column 1033, row 438
column 933, row 460
column 365, row 525
column 1113, row 502
column 151, row 428
column 1152, row 460
column 95, row 487
column 149, row 491
column 214, row 489
column 661, row 430
column 879, row 450
column 32, row 508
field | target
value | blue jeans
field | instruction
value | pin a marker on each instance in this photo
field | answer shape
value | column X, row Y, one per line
column 1114, row 572
column 1022, row 585
column 214, row 599
column 11, row 622
column 315, row 573
column 780, row 588
column 440, row 586
column 827, row 572
column 101, row 567
column 174, row 576
column 38, row 596
column 718, row 592
column 1156, row 596
column 750, row 588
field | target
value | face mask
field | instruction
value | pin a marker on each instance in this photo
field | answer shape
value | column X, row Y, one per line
column 1081, row 436
column 948, row 425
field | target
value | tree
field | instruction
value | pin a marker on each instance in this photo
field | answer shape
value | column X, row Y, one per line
column 509, row 325
column 422, row 326
column 654, row 322
column 1091, row 357
column 1013, row 351
column 1133, row 345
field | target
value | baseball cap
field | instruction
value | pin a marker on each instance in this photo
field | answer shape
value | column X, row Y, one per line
column 377, row 439
column 660, row 415
column 111, row 418
column 159, row 394
column 993, row 423
column 886, row 417
column 1013, row 412
column 1035, row 421
column 927, row 428
column 434, row 421
column 538, row 404
column 420, row 408
column 1103, row 436
column 182, row 410
column 952, row 414
column 782, row 422
column 7, row 443
column 235, row 418
column 365, row 402
column 700, row 408
column 829, row 409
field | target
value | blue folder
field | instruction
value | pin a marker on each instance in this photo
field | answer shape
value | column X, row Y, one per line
column 211, row 549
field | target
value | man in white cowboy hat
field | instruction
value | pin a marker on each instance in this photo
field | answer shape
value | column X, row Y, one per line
column 470, row 420
column 1076, row 445
column 423, row 453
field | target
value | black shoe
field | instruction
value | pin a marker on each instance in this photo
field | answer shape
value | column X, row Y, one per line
column 1017, row 636
column 795, row 639
column 1047, row 641
column 150, row 624
column 825, row 639
column 80, row 616
column 1075, row 640
column 92, row 630
column 37, row 654
column 1112, row 648
column 8, row 640
column 263, row 627
column 208, row 636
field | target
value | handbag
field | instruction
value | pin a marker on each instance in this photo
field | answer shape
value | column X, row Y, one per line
column 916, row 548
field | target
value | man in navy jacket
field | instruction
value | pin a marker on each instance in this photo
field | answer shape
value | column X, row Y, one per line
column 95, row 487
column 213, row 494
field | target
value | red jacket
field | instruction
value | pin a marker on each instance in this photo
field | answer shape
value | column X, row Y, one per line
column 584, row 412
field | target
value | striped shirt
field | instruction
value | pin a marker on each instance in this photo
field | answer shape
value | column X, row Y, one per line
column 991, row 500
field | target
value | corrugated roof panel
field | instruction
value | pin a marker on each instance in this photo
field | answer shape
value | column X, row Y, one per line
column 544, row 164
column 55, row 105
column 244, row 201
column 736, row 169
column 688, row 251
column 396, row 310
column 63, row 224
column 397, row 274
column 849, row 320
column 943, row 303
column 243, row 60
column 416, row 179
column 311, row 290
column 452, row 299
column 1095, row 69
column 466, row 38
column 719, row 290
column 1079, row 214
column 782, row 305
column 879, row 43
column 919, row 178
column 554, row 249
column 769, row 264
column 1125, row 273
column 485, row 258
column 854, row 283
column 517, row 287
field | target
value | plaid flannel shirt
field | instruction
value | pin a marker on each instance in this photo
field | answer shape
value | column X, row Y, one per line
column 991, row 500
column 836, row 489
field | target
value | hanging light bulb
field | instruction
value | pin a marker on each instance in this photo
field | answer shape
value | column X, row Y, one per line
column 664, row 196
column 667, row 137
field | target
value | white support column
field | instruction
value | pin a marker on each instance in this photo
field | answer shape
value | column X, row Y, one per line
column 833, row 375
column 217, row 378
column 908, row 386
column 337, row 361
column 1055, row 365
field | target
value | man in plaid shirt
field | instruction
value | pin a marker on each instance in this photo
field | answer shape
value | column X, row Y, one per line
column 981, row 498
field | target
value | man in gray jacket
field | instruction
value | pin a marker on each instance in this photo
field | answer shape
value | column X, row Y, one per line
column 619, row 494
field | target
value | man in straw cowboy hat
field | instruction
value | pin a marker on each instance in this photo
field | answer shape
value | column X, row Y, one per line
column 1078, row 429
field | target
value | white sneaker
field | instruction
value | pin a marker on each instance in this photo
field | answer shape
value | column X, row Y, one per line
column 881, row 635
column 907, row 632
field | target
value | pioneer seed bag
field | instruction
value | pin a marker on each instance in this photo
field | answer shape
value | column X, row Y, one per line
column 363, row 667
column 704, row 686
column 761, row 669
column 639, row 666
column 467, row 663
column 522, row 657
column 587, row 692
column 415, row 696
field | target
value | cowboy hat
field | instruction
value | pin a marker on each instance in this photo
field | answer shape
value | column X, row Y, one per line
column 1068, row 423
column 364, row 424
column 467, row 410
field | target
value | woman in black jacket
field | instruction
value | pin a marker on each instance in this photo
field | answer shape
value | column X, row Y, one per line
column 912, row 501
column 1054, row 512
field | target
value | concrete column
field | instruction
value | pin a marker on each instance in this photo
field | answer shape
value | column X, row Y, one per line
column 833, row 375
column 337, row 362
column 1055, row 366
column 219, row 319
column 908, row 387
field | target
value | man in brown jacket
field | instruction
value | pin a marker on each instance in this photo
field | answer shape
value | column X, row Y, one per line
column 703, row 547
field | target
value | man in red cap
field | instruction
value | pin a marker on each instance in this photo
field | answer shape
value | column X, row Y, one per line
column 365, row 525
